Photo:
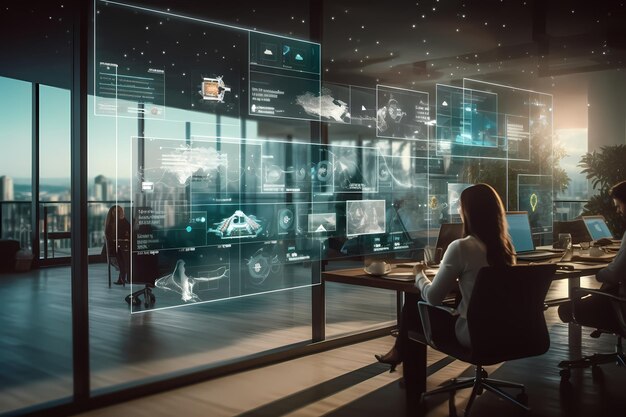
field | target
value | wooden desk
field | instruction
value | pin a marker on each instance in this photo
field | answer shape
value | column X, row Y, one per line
column 415, row 364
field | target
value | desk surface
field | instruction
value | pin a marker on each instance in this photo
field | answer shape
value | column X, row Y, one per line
column 356, row 276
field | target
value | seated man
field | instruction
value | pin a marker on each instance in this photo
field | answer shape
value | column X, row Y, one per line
column 595, row 310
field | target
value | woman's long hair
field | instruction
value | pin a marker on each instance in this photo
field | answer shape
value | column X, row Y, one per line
column 109, row 223
column 484, row 218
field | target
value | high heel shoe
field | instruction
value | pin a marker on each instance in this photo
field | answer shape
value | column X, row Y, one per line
column 391, row 358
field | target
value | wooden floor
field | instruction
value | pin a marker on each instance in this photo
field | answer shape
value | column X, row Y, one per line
column 348, row 382
column 35, row 356
column 36, row 345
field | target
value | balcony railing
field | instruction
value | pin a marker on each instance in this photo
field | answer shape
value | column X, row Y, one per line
column 54, row 225
column 55, row 222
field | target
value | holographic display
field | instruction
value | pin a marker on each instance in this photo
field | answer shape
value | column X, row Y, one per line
column 149, row 63
column 363, row 106
column 284, row 78
column 401, row 113
column 238, row 225
column 534, row 193
column 322, row 222
column 365, row 217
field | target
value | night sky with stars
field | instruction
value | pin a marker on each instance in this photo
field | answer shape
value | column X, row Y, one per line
column 404, row 43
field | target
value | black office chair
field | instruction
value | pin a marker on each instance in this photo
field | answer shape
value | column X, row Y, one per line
column 616, row 327
column 148, row 296
column 146, row 270
column 506, row 321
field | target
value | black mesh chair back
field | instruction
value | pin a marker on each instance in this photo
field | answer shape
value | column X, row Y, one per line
column 505, row 314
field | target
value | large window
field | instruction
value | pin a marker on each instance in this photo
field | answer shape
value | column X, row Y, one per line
column 35, row 338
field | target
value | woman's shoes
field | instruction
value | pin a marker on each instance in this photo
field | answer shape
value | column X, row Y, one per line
column 391, row 358
column 119, row 282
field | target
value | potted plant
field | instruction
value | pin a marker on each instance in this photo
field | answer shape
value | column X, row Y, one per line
column 605, row 169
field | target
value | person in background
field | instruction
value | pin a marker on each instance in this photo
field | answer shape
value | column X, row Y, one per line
column 117, row 234
column 595, row 310
column 486, row 243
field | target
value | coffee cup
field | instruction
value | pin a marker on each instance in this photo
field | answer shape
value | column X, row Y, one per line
column 378, row 268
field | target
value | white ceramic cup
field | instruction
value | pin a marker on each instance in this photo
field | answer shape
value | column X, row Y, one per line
column 378, row 268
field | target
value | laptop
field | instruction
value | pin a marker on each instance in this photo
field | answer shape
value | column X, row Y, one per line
column 522, row 239
column 448, row 233
column 598, row 229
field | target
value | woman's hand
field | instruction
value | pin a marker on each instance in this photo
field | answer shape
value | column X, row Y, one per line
column 419, row 268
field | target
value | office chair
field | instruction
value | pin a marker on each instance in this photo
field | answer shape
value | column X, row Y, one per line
column 618, row 328
column 148, row 297
column 111, row 260
column 146, row 270
column 505, row 320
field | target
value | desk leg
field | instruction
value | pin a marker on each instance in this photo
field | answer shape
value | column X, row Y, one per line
column 574, row 333
column 318, row 307
column 414, row 367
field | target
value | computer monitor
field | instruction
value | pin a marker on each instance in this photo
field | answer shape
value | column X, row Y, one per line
column 519, row 230
column 597, row 227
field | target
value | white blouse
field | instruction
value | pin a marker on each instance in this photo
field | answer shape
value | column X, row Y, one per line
column 462, row 261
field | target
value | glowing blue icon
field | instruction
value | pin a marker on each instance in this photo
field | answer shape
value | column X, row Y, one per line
column 299, row 57
column 188, row 229
column 202, row 219
column 286, row 49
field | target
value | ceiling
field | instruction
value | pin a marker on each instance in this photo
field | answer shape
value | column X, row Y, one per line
column 404, row 43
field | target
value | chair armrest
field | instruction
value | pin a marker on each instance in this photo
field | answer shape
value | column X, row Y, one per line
column 437, row 321
column 618, row 303
column 581, row 292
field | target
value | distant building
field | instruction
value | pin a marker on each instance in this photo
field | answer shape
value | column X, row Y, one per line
column 103, row 189
column 6, row 188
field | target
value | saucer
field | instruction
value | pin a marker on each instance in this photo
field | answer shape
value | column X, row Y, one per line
column 387, row 270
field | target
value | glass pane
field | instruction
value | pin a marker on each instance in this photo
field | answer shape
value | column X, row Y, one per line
column 35, row 338
column 54, row 172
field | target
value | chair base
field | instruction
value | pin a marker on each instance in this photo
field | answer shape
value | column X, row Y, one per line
column 479, row 383
column 148, row 297
column 592, row 361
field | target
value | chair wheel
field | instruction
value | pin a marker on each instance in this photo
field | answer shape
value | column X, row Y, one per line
column 132, row 300
column 522, row 398
column 565, row 374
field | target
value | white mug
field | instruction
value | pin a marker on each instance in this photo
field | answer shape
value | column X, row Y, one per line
column 378, row 268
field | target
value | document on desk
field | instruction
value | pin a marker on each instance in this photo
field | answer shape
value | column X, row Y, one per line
column 607, row 257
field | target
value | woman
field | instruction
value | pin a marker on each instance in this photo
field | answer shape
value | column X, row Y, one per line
column 117, row 234
column 486, row 243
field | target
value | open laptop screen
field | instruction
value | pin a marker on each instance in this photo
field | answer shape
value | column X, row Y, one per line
column 448, row 233
column 519, row 230
column 597, row 227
